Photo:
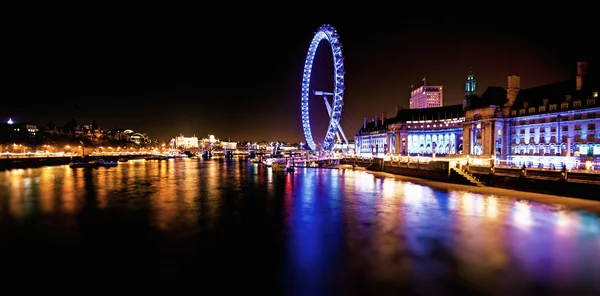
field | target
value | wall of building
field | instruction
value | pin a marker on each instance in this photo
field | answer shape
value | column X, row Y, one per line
column 427, row 96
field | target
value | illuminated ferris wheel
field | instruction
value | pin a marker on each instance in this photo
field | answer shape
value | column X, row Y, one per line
column 326, row 33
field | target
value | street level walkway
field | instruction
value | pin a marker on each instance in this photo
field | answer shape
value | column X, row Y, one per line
column 591, row 206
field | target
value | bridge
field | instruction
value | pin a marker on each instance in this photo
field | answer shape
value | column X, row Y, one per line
column 216, row 153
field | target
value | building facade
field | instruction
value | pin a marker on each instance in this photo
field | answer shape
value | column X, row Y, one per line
column 426, row 132
column 546, row 126
column 426, row 96
column 186, row 142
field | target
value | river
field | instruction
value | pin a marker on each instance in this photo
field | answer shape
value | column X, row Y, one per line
column 237, row 226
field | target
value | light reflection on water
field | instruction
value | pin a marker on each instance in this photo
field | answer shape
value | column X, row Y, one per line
column 315, row 231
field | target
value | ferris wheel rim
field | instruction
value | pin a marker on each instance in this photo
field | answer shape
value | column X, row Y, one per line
column 329, row 33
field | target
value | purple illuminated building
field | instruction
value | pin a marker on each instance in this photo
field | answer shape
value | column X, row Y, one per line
column 546, row 126
column 426, row 131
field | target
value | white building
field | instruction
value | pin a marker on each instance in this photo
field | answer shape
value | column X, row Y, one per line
column 186, row 142
column 229, row 145
column 426, row 96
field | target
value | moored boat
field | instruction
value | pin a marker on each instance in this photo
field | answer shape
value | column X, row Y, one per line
column 268, row 162
column 83, row 164
column 106, row 163
column 277, row 167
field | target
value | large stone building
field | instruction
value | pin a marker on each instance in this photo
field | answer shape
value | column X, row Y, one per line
column 426, row 131
column 545, row 126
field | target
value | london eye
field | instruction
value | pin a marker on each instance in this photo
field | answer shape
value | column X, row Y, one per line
column 333, row 97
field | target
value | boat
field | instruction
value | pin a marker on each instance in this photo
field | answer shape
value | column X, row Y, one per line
column 280, row 165
column 93, row 164
column 83, row 164
column 175, row 154
column 268, row 162
column 123, row 160
column 106, row 163
column 277, row 167
column 156, row 157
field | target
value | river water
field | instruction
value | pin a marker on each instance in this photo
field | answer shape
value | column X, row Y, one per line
column 237, row 226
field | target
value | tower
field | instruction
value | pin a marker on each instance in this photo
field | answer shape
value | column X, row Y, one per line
column 470, row 89
column 470, row 84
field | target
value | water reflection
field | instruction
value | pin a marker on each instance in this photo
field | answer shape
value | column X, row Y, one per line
column 315, row 234
column 316, row 230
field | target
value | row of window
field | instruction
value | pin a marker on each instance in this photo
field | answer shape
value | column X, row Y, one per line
column 591, row 138
column 590, row 115
column 552, row 107
column 577, row 127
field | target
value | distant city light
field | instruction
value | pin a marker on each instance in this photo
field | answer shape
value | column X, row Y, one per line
column 9, row 121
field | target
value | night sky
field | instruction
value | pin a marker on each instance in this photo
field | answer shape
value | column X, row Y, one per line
column 239, row 75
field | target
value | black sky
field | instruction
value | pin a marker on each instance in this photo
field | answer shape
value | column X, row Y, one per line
column 210, row 71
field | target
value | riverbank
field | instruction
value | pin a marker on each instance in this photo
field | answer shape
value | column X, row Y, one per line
column 591, row 206
column 574, row 184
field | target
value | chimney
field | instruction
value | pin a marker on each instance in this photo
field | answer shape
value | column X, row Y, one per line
column 376, row 119
column 582, row 68
column 397, row 110
column 383, row 118
column 514, row 86
column 514, row 81
column 365, row 123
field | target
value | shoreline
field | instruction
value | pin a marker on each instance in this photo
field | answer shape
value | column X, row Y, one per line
column 571, row 203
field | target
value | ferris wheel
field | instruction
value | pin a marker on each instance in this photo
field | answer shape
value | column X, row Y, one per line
column 328, row 34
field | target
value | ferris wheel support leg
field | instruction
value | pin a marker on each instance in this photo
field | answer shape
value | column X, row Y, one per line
column 339, row 126
column 343, row 134
column 329, row 112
